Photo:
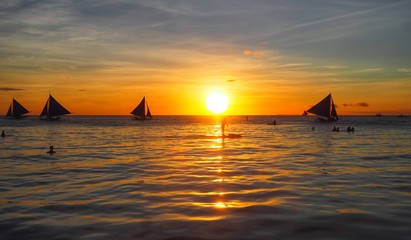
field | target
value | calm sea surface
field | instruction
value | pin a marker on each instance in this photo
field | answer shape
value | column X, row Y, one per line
column 171, row 178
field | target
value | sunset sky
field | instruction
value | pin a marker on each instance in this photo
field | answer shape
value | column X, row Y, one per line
column 269, row 57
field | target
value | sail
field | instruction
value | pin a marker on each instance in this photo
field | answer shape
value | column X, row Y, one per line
column 9, row 112
column 16, row 109
column 149, row 113
column 325, row 108
column 140, row 109
column 53, row 108
column 44, row 112
column 333, row 111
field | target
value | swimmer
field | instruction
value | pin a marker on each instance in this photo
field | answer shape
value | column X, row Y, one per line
column 51, row 150
column 350, row 129
column 3, row 134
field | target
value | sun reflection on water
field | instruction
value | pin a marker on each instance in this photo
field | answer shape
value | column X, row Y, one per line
column 220, row 205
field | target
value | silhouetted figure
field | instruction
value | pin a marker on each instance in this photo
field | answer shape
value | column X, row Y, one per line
column 3, row 134
column 274, row 122
column 350, row 129
column 51, row 150
column 313, row 128
column 334, row 129
column 338, row 129
column 223, row 124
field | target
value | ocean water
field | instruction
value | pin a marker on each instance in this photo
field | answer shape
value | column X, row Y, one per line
column 172, row 178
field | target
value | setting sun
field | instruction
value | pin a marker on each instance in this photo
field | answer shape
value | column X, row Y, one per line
column 217, row 102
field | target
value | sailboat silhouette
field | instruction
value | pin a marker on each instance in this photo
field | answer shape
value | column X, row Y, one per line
column 53, row 110
column 140, row 111
column 16, row 110
column 325, row 109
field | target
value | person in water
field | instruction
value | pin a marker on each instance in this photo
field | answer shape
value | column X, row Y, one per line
column 350, row 129
column 51, row 150
column 3, row 134
column 223, row 125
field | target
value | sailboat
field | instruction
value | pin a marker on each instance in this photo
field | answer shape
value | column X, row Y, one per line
column 140, row 111
column 16, row 110
column 52, row 110
column 325, row 109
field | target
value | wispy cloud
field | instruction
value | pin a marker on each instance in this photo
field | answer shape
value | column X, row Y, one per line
column 10, row 89
column 404, row 70
column 253, row 53
column 360, row 104
column 367, row 70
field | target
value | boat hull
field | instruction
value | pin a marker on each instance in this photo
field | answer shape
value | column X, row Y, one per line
column 52, row 119
column 136, row 118
column 319, row 119
column 16, row 117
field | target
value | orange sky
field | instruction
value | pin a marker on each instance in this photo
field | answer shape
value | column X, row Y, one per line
column 249, row 95
column 268, row 58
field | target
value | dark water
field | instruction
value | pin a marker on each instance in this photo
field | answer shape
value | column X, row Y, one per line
column 170, row 178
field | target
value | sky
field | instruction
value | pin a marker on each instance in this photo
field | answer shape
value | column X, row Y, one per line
column 270, row 57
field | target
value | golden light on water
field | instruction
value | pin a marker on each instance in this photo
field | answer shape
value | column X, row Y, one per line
column 220, row 205
column 217, row 102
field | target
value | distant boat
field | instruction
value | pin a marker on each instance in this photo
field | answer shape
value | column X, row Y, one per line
column 325, row 109
column 16, row 110
column 140, row 111
column 378, row 115
column 53, row 110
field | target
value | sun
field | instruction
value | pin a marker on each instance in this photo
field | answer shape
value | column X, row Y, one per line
column 217, row 102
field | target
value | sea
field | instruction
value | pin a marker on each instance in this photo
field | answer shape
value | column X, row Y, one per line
column 174, row 177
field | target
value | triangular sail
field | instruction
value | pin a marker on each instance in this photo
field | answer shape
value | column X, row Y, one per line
column 140, row 109
column 333, row 111
column 149, row 113
column 52, row 108
column 16, row 109
column 325, row 108
column 44, row 112
column 56, row 109
column 9, row 112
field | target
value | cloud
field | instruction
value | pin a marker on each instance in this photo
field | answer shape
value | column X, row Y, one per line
column 404, row 70
column 230, row 80
column 360, row 104
column 10, row 89
column 252, row 53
